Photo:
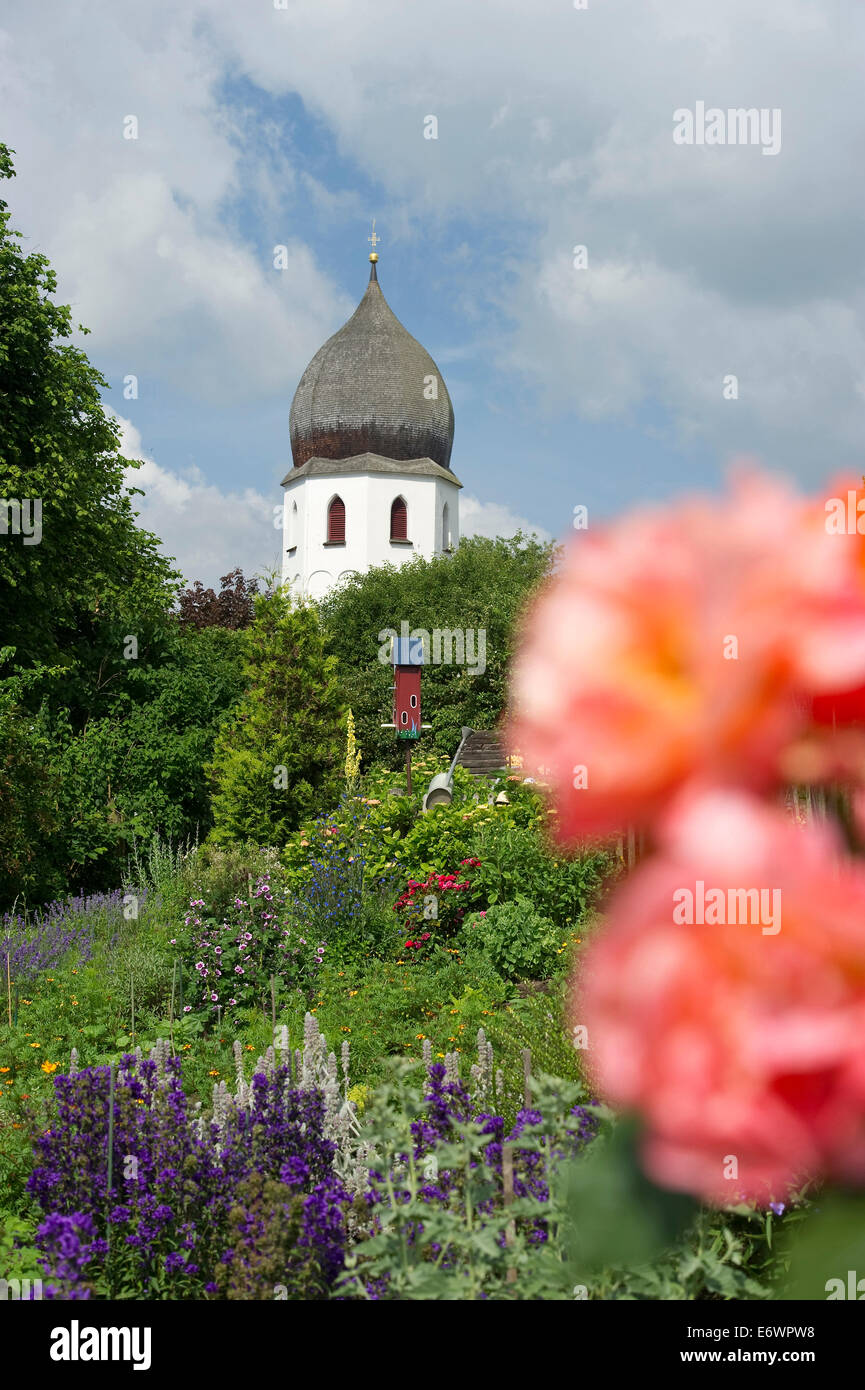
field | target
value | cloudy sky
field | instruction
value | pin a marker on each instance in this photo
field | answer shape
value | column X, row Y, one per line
column 601, row 385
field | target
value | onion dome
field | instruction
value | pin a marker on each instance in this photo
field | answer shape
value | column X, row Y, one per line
column 372, row 389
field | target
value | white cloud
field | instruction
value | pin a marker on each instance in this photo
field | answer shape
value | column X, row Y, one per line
column 208, row 531
column 492, row 519
column 555, row 129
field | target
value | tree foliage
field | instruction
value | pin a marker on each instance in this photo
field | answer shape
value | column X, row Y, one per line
column 233, row 607
column 482, row 586
column 94, row 576
column 277, row 759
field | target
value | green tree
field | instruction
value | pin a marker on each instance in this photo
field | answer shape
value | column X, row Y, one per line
column 72, row 800
column 278, row 758
column 29, row 795
column 71, row 596
column 482, row 587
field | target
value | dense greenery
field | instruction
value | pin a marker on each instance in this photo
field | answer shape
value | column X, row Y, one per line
column 136, row 986
column 276, row 759
column 481, row 588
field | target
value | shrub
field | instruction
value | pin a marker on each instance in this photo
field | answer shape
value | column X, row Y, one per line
column 441, row 899
column 519, row 861
column 521, row 944
column 276, row 759
column 234, row 959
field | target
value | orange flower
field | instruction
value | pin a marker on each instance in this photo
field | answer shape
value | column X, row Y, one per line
column 685, row 644
column 725, row 1001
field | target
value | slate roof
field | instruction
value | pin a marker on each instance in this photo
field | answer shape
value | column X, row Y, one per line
column 363, row 393
column 370, row 463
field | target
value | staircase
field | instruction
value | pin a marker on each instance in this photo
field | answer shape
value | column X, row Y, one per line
column 481, row 754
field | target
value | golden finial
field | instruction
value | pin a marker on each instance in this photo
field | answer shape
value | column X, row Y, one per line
column 374, row 241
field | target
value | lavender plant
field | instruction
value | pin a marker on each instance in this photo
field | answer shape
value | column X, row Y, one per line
column 38, row 941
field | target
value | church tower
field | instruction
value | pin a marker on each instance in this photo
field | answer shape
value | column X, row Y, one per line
column 372, row 428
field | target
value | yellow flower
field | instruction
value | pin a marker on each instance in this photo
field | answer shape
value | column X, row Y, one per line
column 352, row 993
column 35, row 1044
column 213, row 1073
column 420, row 1036
column 49, row 1067
column 5, row 1068
column 346, row 1030
column 440, row 1054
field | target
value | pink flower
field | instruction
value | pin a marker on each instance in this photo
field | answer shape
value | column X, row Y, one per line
column 741, row 1043
column 685, row 644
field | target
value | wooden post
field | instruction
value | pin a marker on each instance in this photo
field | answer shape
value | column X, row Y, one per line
column 508, row 1197
column 408, row 767
column 171, row 1007
column 110, row 1168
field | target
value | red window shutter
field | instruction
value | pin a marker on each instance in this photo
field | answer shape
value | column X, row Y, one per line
column 336, row 521
column 398, row 521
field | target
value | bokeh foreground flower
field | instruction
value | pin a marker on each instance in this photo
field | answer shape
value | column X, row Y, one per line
column 742, row 1045
column 688, row 644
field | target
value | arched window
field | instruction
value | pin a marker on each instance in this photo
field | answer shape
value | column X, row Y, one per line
column 398, row 520
column 336, row 522
column 292, row 527
column 446, row 527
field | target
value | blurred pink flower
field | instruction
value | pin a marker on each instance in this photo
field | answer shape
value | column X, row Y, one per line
column 685, row 644
column 735, row 1042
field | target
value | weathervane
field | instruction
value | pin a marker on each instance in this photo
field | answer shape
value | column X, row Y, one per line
column 373, row 240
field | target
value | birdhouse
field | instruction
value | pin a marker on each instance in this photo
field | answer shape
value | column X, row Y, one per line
column 408, row 657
